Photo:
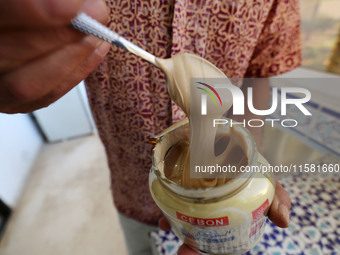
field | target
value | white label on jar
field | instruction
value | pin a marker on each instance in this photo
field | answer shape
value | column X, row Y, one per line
column 216, row 235
column 223, row 239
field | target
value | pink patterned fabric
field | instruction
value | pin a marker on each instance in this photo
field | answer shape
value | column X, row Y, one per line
column 128, row 96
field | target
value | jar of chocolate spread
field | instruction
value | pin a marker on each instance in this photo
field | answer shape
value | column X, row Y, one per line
column 212, row 216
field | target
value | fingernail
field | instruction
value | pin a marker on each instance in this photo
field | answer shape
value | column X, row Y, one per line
column 103, row 49
column 99, row 46
column 283, row 210
column 97, row 9
column 93, row 41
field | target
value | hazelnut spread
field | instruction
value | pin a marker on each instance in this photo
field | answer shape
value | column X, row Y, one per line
column 177, row 161
column 202, row 143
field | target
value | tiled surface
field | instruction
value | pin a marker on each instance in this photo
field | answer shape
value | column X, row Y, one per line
column 315, row 220
column 165, row 242
column 314, row 227
column 323, row 127
column 67, row 206
column 327, row 130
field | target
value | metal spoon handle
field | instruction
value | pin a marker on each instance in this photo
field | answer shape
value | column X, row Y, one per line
column 88, row 25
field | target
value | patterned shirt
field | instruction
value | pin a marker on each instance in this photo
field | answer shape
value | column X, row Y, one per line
column 129, row 98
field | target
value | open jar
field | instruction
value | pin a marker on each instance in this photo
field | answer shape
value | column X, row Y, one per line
column 227, row 219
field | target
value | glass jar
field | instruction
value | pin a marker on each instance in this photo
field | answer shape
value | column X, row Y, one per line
column 228, row 219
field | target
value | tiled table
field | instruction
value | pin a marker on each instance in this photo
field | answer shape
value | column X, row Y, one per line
column 314, row 227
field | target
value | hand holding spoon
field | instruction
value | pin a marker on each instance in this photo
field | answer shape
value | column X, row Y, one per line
column 178, row 69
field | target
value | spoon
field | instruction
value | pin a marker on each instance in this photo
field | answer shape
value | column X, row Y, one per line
column 178, row 70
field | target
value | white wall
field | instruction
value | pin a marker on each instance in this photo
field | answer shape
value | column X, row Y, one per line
column 67, row 118
column 86, row 103
column 20, row 142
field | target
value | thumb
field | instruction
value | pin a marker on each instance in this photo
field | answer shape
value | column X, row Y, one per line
column 23, row 13
column 279, row 209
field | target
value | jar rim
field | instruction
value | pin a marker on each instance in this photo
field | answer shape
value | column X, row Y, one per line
column 229, row 187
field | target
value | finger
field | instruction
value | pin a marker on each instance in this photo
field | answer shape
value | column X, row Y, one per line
column 38, row 12
column 279, row 209
column 25, row 13
column 18, row 46
column 37, row 79
column 185, row 250
column 164, row 224
column 75, row 78
column 38, row 42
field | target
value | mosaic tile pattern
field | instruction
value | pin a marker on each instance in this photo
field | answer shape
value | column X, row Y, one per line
column 327, row 130
column 323, row 127
column 314, row 228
